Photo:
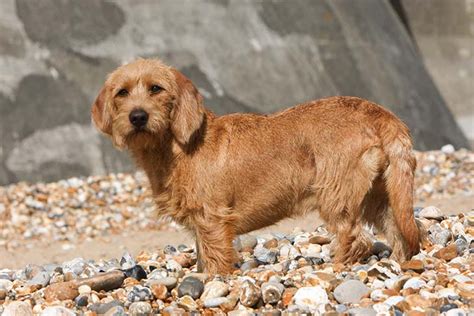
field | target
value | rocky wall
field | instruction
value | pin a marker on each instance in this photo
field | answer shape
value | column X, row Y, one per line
column 258, row 56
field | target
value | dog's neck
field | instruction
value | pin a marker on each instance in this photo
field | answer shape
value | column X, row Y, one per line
column 157, row 161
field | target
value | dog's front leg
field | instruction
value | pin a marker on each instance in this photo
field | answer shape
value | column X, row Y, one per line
column 215, row 251
column 200, row 264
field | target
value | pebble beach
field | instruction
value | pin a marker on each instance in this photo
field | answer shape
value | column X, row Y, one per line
column 278, row 274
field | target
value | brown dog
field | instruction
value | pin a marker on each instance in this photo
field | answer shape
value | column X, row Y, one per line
column 219, row 176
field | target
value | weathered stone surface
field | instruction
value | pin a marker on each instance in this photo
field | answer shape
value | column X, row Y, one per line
column 444, row 37
column 103, row 19
column 58, row 68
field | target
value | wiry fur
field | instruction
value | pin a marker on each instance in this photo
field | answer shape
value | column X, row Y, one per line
column 344, row 157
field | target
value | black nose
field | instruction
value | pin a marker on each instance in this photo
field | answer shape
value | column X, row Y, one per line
column 138, row 118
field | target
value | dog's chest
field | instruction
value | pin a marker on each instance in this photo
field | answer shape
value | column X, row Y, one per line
column 175, row 204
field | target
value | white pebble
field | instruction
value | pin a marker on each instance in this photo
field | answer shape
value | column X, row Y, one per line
column 393, row 300
column 448, row 149
column 414, row 283
column 84, row 289
column 311, row 297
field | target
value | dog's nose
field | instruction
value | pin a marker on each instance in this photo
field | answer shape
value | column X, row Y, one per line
column 138, row 118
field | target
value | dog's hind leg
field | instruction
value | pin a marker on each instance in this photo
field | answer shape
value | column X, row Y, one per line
column 377, row 213
column 353, row 242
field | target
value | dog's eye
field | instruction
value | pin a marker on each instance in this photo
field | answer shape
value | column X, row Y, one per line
column 155, row 88
column 122, row 93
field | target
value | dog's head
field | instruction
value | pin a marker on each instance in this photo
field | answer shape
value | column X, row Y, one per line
column 143, row 102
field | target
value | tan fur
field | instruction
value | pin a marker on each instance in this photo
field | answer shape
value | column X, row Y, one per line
column 344, row 157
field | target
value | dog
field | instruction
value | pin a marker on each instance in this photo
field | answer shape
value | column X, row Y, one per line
column 346, row 158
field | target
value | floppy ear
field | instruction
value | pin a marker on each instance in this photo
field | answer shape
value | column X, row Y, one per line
column 99, row 112
column 187, row 114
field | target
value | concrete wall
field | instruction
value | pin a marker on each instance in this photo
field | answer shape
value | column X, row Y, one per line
column 444, row 34
column 243, row 55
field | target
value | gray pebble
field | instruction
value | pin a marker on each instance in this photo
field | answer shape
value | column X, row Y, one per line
column 75, row 266
column 81, row 300
column 314, row 260
column 215, row 289
column 381, row 250
column 140, row 309
column 18, row 309
column 102, row 308
column 362, row 311
column 137, row 272
column 431, row 212
column 57, row 311
column 116, row 311
column 237, row 244
column 51, row 267
column 350, row 291
column 249, row 265
column 169, row 282
column 248, row 241
column 414, row 283
column 41, row 278
column 240, row 312
column 265, row 255
column 340, row 308
column 173, row 266
column 184, row 248
column 139, row 293
column 249, row 294
column 271, row 292
column 461, row 245
column 127, row 261
column 6, row 285
column 447, row 307
column 456, row 312
column 169, row 250
column 191, row 286
column 439, row 235
column 157, row 274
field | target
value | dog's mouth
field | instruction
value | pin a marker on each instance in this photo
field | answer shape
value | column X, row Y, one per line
column 138, row 132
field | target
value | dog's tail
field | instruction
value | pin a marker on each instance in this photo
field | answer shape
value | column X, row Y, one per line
column 399, row 180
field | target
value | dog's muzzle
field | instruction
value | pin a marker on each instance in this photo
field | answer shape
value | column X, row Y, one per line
column 138, row 118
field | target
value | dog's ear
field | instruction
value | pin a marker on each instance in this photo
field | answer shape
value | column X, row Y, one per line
column 99, row 112
column 187, row 114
